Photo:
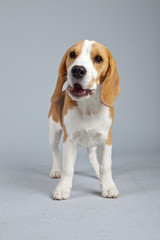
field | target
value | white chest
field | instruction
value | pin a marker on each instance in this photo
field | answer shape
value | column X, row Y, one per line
column 88, row 128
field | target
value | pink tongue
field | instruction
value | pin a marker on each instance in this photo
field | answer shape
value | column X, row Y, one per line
column 78, row 88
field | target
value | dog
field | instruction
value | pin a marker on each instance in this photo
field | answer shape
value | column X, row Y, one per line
column 84, row 112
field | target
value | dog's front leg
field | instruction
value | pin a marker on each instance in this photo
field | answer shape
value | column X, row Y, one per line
column 64, row 186
column 109, row 189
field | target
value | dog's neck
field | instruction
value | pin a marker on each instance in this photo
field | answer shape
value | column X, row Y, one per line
column 92, row 104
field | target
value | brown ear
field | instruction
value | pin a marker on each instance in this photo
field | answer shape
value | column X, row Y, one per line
column 61, row 80
column 110, row 86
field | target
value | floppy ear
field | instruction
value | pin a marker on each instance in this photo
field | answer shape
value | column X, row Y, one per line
column 61, row 80
column 110, row 86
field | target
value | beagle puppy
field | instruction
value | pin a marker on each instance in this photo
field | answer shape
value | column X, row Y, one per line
column 84, row 113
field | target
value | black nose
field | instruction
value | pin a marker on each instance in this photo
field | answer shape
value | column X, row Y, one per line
column 78, row 71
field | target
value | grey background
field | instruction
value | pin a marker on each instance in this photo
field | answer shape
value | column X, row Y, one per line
column 34, row 36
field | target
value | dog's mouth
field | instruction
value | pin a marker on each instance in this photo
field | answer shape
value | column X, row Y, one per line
column 78, row 91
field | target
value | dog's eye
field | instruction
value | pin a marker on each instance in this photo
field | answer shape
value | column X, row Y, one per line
column 98, row 59
column 72, row 55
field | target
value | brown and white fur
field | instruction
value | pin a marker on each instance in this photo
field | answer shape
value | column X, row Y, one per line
column 84, row 113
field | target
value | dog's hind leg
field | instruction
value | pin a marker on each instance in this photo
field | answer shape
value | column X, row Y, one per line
column 55, row 132
column 93, row 160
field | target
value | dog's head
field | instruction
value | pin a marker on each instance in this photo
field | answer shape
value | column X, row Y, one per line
column 84, row 66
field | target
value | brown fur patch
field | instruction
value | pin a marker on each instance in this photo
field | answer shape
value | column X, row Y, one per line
column 109, row 139
column 107, row 74
column 101, row 68
column 69, row 103
column 56, row 109
column 60, row 108
column 110, row 86
column 77, row 49
column 97, row 81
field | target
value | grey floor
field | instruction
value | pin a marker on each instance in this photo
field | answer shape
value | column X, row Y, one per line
column 28, row 212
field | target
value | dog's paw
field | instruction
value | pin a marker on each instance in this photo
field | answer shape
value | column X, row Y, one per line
column 61, row 193
column 55, row 173
column 110, row 191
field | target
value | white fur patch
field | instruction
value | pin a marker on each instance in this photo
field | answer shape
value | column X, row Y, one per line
column 64, row 186
column 55, row 132
column 88, row 124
